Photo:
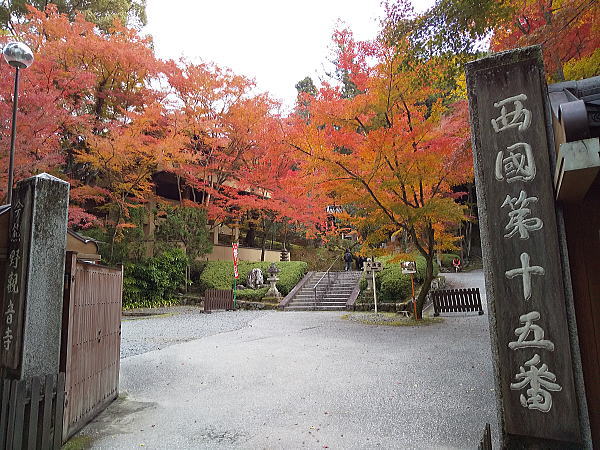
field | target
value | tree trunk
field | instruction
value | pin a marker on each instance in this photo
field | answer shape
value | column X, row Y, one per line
column 179, row 189
column 285, row 232
column 426, row 285
column 264, row 241
column 428, row 251
column 114, row 235
column 250, row 235
column 273, row 236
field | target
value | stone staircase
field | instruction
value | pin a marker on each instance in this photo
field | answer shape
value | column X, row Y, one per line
column 332, row 299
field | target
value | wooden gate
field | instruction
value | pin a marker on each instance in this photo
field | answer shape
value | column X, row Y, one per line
column 91, row 345
column 31, row 413
column 218, row 299
column 456, row 300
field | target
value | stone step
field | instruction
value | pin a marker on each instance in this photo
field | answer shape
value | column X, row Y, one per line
column 317, row 308
column 322, row 294
column 332, row 298
column 323, row 303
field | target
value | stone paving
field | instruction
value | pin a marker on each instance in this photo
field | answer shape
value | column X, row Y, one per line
column 287, row 380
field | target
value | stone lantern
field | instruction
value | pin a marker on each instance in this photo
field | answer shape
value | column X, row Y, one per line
column 272, row 295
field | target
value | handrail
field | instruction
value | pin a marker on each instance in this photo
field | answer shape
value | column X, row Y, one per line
column 321, row 279
column 351, row 302
column 295, row 290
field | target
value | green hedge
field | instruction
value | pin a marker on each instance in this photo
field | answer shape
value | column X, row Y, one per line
column 155, row 281
column 394, row 286
column 219, row 275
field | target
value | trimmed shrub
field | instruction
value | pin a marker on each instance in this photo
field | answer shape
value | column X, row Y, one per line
column 392, row 285
column 252, row 295
column 155, row 281
column 219, row 275
column 216, row 275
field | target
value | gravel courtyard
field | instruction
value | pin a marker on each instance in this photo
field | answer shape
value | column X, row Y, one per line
column 286, row 380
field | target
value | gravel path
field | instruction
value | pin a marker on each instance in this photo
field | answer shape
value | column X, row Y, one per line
column 287, row 380
column 158, row 328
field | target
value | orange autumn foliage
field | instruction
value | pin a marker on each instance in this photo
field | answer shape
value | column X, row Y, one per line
column 568, row 30
column 393, row 152
column 98, row 109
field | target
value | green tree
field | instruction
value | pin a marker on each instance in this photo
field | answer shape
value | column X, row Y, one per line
column 307, row 86
column 185, row 225
column 100, row 12
column 306, row 91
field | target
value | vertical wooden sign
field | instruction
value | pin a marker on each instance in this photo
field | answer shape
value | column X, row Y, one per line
column 17, row 265
column 528, row 324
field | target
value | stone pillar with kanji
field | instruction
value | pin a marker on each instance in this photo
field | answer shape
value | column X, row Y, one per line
column 31, row 317
column 536, row 371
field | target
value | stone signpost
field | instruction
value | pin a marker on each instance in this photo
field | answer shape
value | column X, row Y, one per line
column 32, row 309
column 530, row 337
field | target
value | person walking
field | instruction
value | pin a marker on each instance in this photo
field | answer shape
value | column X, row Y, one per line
column 348, row 260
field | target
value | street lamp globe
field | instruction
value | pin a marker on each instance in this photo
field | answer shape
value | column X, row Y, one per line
column 18, row 55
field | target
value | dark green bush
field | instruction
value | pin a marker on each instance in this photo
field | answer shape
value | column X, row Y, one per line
column 363, row 283
column 155, row 281
column 196, row 269
column 447, row 258
column 219, row 275
column 392, row 285
column 251, row 295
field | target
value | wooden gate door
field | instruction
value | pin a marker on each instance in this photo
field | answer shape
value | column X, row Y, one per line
column 91, row 345
column 582, row 223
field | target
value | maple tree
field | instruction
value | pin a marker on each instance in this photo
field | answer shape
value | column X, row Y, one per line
column 234, row 158
column 568, row 30
column 393, row 151
column 83, row 84
column 99, row 110
column 125, row 156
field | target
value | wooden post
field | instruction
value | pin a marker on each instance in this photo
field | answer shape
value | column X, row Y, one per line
column 412, row 282
column 537, row 401
column 374, row 291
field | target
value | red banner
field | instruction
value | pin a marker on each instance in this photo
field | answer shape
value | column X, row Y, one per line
column 235, row 260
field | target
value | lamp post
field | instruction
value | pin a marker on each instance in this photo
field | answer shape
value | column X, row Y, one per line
column 20, row 57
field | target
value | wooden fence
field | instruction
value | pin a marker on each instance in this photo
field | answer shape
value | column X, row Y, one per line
column 456, row 300
column 31, row 413
column 218, row 299
column 90, row 355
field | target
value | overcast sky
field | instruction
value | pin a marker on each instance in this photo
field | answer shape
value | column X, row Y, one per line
column 275, row 42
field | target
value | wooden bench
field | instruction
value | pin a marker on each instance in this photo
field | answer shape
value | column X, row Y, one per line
column 218, row 299
column 456, row 300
